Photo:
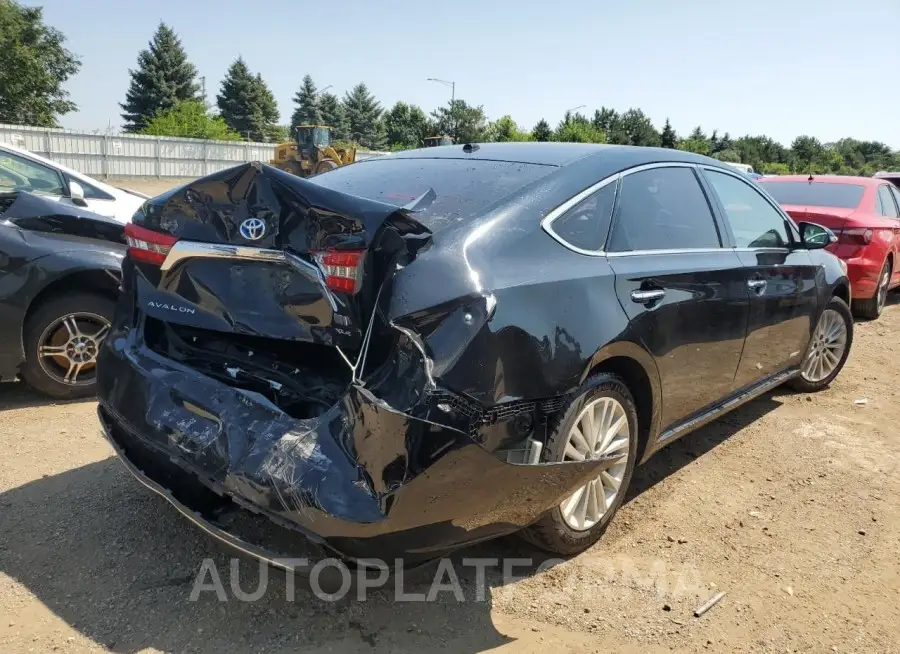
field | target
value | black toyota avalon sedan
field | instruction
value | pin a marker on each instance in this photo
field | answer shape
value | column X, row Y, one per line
column 416, row 352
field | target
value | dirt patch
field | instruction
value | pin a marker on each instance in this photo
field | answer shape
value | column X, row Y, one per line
column 788, row 504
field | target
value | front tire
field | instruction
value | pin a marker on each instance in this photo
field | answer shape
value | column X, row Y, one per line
column 62, row 338
column 828, row 348
column 601, row 421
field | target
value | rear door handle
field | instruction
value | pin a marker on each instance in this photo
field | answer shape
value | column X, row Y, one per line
column 646, row 297
column 757, row 285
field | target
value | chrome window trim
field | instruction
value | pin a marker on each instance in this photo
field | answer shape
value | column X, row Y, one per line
column 632, row 253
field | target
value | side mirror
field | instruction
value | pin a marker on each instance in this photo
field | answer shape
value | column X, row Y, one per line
column 76, row 193
column 816, row 237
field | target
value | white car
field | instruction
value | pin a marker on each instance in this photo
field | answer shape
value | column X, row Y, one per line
column 21, row 170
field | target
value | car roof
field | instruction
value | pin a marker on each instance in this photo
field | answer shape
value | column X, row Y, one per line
column 826, row 179
column 28, row 154
column 554, row 153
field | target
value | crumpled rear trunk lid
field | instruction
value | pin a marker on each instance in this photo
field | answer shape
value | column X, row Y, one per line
column 263, row 253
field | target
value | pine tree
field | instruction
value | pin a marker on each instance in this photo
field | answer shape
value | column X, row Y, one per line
column 247, row 104
column 542, row 131
column 363, row 113
column 164, row 78
column 668, row 138
column 307, row 101
column 332, row 114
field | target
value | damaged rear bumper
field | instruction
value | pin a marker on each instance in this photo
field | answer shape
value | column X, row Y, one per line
column 363, row 479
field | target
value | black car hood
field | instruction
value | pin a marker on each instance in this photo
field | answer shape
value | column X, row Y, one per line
column 38, row 214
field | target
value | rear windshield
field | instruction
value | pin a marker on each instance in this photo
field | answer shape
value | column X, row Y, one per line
column 815, row 194
column 455, row 189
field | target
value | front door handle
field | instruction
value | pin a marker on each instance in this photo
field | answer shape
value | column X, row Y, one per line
column 758, row 286
column 648, row 296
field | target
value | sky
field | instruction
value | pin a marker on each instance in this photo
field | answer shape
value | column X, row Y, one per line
column 826, row 68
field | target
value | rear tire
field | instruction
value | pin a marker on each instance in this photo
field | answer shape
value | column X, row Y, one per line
column 45, row 328
column 871, row 308
column 805, row 385
column 554, row 531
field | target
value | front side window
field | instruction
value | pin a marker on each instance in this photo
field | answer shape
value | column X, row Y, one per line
column 663, row 209
column 754, row 222
column 21, row 174
column 886, row 202
column 896, row 193
column 585, row 225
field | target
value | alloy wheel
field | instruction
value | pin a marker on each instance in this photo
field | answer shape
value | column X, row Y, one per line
column 883, row 282
column 601, row 432
column 826, row 349
column 68, row 347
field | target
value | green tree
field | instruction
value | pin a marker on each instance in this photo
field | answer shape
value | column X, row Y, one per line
column 579, row 131
column 190, row 119
column 696, row 145
column 307, row 101
column 247, row 104
column 464, row 122
column 34, row 65
column 164, row 77
column 697, row 134
column 542, row 131
column 638, row 129
column 505, row 130
column 405, row 126
column 363, row 113
column 807, row 155
column 668, row 138
column 332, row 113
column 731, row 155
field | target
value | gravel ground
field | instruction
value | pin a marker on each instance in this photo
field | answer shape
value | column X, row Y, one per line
column 788, row 504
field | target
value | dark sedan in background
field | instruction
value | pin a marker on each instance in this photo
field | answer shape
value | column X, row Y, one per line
column 421, row 351
column 60, row 267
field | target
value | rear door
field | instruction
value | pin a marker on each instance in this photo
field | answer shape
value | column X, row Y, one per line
column 780, row 277
column 684, row 293
column 896, row 276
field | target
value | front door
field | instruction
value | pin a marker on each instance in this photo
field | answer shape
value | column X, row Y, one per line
column 685, row 295
column 781, row 278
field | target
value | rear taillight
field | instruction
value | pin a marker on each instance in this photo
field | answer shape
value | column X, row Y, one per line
column 343, row 269
column 147, row 245
column 855, row 236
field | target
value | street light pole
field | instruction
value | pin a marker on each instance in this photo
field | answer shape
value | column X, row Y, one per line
column 452, row 86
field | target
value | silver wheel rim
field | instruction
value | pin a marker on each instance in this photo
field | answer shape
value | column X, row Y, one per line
column 68, row 347
column 827, row 347
column 883, row 284
column 601, row 432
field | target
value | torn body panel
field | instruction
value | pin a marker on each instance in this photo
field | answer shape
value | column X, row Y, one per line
column 362, row 477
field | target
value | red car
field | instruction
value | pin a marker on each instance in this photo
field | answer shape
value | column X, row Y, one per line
column 864, row 213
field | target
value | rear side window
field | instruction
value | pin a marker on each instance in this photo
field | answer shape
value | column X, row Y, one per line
column 886, row 202
column 585, row 225
column 662, row 209
column 896, row 195
column 462, row 188
column 815, row 194
column 754, row 222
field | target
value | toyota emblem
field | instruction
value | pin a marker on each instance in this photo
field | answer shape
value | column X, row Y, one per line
column 253, row 229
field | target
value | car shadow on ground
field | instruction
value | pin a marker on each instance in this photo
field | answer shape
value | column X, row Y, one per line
column 18, row 395
column 119, row 564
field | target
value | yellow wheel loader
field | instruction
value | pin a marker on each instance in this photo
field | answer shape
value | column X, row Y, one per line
column 312, row 152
